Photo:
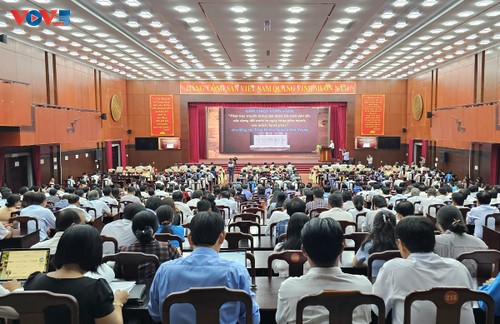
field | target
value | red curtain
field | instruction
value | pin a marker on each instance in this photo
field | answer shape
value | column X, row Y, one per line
column 198, row 126
column 410, row 152
column 123, row 153
column 2, row 166
column 197, row 132
column 109, row 155
column 35, row 161
column 425, row 149
column 338, row 125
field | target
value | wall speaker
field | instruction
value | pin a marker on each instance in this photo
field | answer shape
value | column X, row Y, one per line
column 98, row 155
column 429, row 114
column 104, row 116
column 443, row 156
column 3, row 38
column 129, row 131
column 403, row 129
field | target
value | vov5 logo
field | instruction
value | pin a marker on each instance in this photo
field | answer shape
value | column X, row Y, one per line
column 35, row 17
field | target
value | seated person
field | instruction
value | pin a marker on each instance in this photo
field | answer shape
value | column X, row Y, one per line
column 322, row 244
column 165, row 215
column 144, row 226
column 380, row 239
column 419, row 269
column 202, row 268
column 292, row 242
column 492, row 287
column 454, row 239
column 403, row 209
column 95, row 298
column 477, row 215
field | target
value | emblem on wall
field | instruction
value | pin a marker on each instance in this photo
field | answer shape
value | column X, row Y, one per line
column 116, row 108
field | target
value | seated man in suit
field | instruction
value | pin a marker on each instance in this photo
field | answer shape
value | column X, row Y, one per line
column 202, row 268
column 419, row 269
column 322, row 244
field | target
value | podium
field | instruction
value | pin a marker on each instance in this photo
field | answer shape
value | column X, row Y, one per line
column 324, row 154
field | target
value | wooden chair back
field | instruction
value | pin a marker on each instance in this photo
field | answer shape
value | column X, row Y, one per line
column 256, row 210
column 464, row 211
column 91, row 211
column 233, row 240
column 436, row 208
column 129, row 262
column 247, row 217
column 167, row 237
column 31, row 305
column 358, row 224
column 384, row 256
column 97, row 223
column 449, row 302
column 23, row 223
column 340, row 305
column 105, row 239
column 294, row 258
column 207, row 302
column 251, row 258
column 489, row 217
column 487, row 262
column 316, row 211
column 357, row 237
column 15, row 213
column 225, row 211
column 249, row 204
column 115, row 209
column 344, row 224
column 244, row 226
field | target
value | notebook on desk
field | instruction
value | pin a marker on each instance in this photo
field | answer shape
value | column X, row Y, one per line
column 239, row 256
column 20, row 263
column 136, row 291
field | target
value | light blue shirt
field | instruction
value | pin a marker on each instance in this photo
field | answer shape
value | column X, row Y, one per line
column 177, row 230
column 202, row 268
column 45, row 218
column 363, row 254
column 494, row 291
column 477, row 216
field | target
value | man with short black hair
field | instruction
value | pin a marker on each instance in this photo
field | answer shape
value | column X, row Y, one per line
column 379, row 203
column 106, row 191
column 37, row 209
column 186, row 211
column 457, row 199
column 335, row 203
column 202, row 268
column 130, row 196
column 318, row 202
column 477, row 215
column 322, row 244
column 403, row 209
column 419, row 269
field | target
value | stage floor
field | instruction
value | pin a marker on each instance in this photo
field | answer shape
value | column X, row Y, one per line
column 261, row 160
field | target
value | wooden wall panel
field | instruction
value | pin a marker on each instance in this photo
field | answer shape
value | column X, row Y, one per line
column 491, row 76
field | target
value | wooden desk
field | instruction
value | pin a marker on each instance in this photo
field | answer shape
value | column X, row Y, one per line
column 492, row 237
column 139, row 311
column 19, row 240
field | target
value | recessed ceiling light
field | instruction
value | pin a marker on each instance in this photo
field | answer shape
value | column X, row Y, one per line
column 400, row 3
column 197, row 29
column 238, row 9
column 207, row 44
column 182, row 9
column 18, row 31
column 291, row 30
column 344, row 21
column 132, row 3
column 78, row 34
column 247, row 44
column 338, row 30
column 465, row 14
column 288, row 44
column 352, row 9
column 476, row 22
column 133, row 24
column 484, row 42
column 429, row 3
column 49, row 44
column 450, row 23
column 296, row 9
column 425, row 37
column 484, row 3
column 156, row 24
column 145, row 14
column 143, row 32
column 190, row 20
column 202, row 37
column 387, row 15
column 390, row 33
column 120, row 13
column 105, row 3
column 293, row 21
column 37, row 38
column 485, row 30
column 89, row 27
column 328, row 44
column 62, row 38
column 401, row 24
column 377, row 24
column 77, row 20
column 493, row 13
column 244, row 29
column 461, row 30
column 289, row 38
column 448, row 37
column 246, row 37
column 241, row 20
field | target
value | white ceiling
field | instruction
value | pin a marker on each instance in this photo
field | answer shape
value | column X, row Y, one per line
column 226, row 40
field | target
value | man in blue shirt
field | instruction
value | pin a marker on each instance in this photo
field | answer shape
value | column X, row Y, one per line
column 202, row 268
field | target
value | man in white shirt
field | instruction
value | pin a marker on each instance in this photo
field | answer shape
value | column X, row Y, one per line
column 477, row 215
column 102, row 209
column 186, row 211
column 379, row 203
column 225, row 201
column 322, row 244
column 74, row 202
column 398, row 195
column 121, row 229
column 130, row 196
column 107, row 197
column 430, row 200
column 37, row 209
column 419, row 269
column 331, row 146
column 195, row 197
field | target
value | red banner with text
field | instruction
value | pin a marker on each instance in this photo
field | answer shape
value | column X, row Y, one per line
column 267, row 88
column 162, row 114
column 372, row 114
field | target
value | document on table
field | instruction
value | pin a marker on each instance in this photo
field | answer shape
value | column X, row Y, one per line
column 122, row 285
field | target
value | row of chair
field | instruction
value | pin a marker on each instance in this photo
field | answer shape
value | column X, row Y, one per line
column 208, row 300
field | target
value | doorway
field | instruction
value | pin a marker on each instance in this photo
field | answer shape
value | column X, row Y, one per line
column 18, row 171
